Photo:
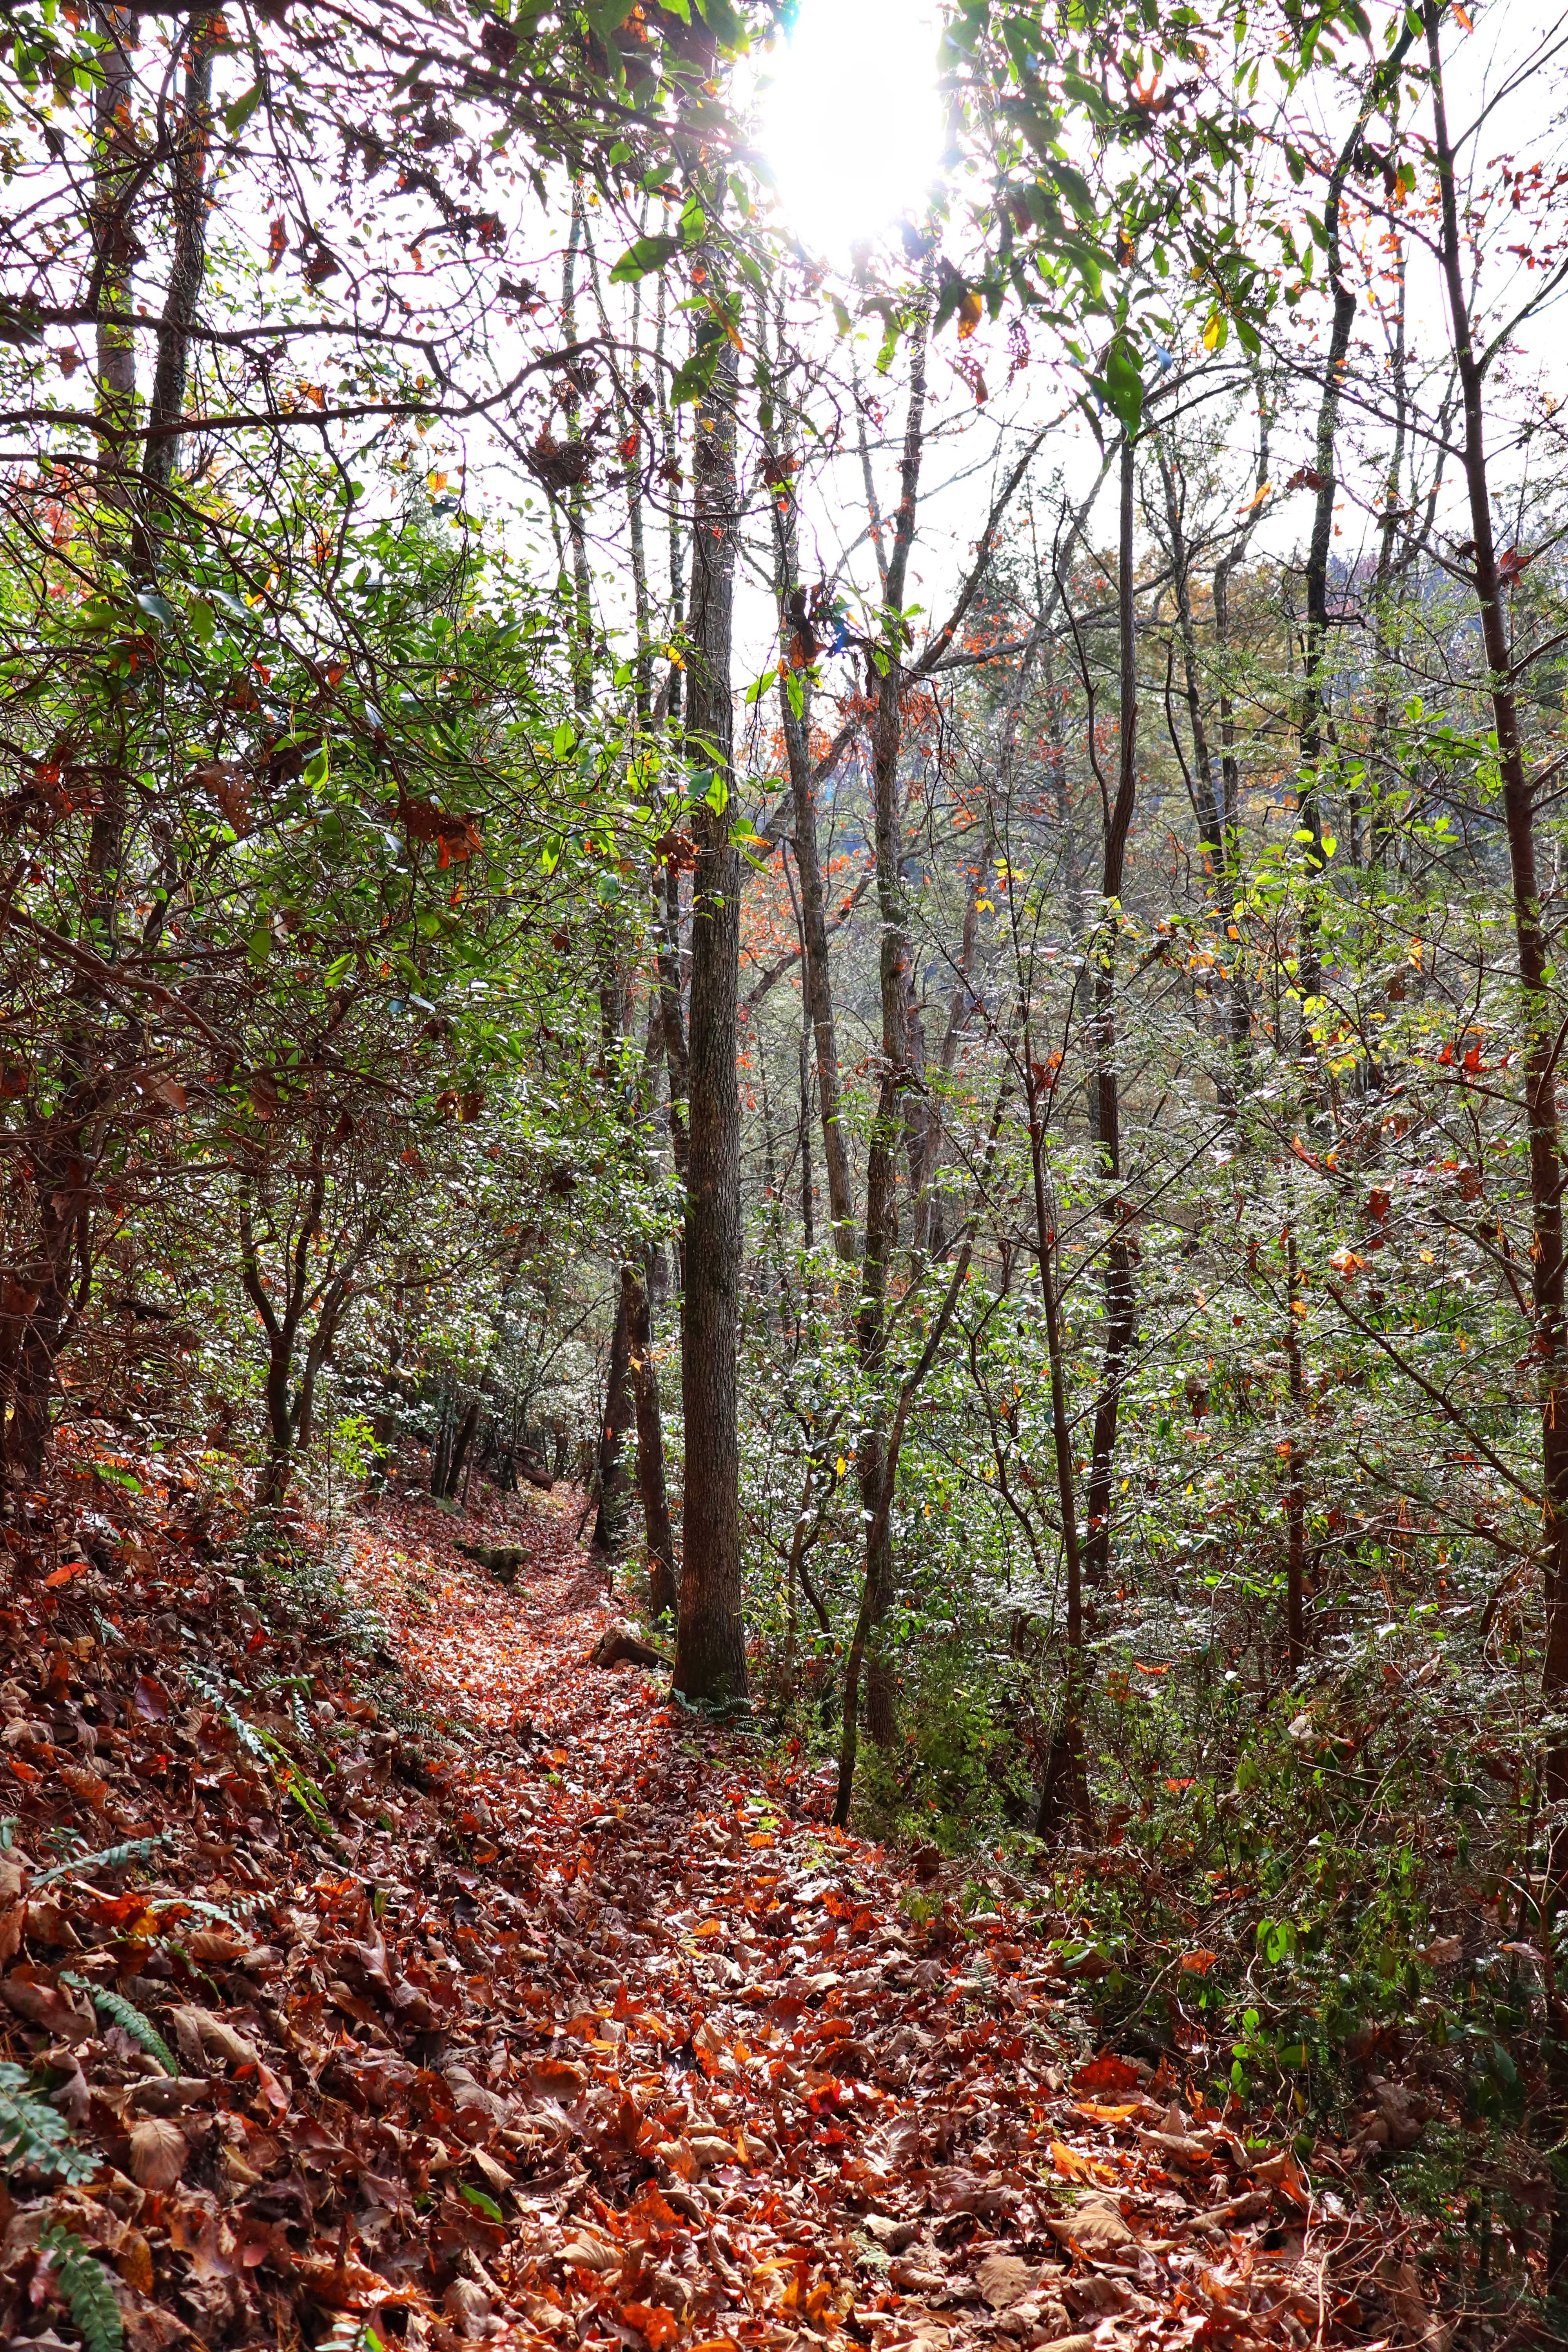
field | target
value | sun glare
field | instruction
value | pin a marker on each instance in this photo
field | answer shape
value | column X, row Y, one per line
column 850, row 119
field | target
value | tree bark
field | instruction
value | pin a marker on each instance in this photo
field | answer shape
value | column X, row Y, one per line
column 1535, row 974
column 710, row 1653
column 1064, row 1789
column 816, row 970
column 1121, row 1296
column 887, row 1133
column 620, row 1414
column 662, row 1589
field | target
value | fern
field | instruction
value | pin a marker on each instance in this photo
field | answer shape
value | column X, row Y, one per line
column 32, row 2133
column 125, row 2014
column 209, row 1687
column 84, row 2287
column 108, row 1857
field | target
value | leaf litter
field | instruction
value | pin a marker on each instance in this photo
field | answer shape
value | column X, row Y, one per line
column 401, row 1977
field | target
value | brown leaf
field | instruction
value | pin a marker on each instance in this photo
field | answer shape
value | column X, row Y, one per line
column 1094, row 2226
column 34, row 1994
column 159, row 2152
column 1005, row 2279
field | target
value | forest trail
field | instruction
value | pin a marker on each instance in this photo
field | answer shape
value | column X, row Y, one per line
column 775, row 2085
column 378, row 1970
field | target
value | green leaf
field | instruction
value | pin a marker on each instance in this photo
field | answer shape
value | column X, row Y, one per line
column 1124, row 388
column 482, row 2204
column 156, row 607
column 258, row 947
column 639, row 260
column 238, row 112
column 203, row 621
column 318, row 767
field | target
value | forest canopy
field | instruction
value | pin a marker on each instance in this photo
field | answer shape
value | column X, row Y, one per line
column 897, row 908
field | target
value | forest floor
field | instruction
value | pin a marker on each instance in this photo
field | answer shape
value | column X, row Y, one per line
column 510, row 2003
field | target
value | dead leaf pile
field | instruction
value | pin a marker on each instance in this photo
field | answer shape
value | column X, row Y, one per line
column 495, row 2000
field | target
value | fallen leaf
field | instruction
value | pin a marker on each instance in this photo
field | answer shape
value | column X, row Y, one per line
column 159, row 2153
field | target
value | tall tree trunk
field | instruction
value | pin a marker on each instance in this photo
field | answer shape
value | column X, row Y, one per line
column 816, row 972
column 1535, row 979
column 710, row 1649
column 187, row 267
column 114, row 250
column 44, row 1291
column 1121, row 1296
column 871, row 1459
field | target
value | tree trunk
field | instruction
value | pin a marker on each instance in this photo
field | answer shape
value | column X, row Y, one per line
column 1064, row 1790
column 662, row 1592
column 620, row 1413
column 461, row 1445
column 887, row 1133
column 1535, row 972
column 815, row 970
column 1121, row 1296
column 187, row 267
column 710, row 1652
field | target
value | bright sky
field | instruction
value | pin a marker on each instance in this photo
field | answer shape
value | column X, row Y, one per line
column 850, row 118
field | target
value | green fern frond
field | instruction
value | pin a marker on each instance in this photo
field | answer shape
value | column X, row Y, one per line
column 125, row 2014
column 32, row 2134
column 111, row 1857
column 85, row 2285
column 209, row 1687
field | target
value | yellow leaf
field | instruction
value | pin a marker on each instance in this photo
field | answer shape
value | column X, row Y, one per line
column 1211, row 330
column 971, row 310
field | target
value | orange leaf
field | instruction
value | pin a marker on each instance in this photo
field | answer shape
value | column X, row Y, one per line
column 651, row 2320
column 1072, row 2166
column 64, row 1574
column 1198, row 1963
column 1107, row 2072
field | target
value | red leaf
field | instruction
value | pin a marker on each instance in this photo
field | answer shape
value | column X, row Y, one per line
column 150, row 1699
column 1107, row 2072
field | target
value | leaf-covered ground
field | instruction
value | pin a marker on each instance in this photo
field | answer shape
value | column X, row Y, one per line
column 471, row 1993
